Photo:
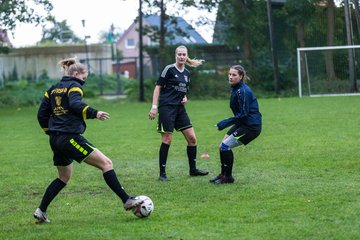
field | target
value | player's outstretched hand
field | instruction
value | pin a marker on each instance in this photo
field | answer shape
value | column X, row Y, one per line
column 225, row 123
column 102, row 115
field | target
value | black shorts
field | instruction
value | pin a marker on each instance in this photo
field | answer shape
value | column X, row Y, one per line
column 69, row 147
column 244, row 134
column 173, row 117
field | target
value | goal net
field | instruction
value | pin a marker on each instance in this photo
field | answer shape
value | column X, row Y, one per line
column 328, row 71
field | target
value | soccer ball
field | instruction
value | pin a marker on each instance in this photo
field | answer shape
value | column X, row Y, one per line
column 144, row 209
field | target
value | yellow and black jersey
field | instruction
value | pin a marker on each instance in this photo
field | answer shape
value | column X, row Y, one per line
column 62, row 109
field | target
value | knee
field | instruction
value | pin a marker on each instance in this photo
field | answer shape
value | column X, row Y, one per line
column 65, row 178
column 223, row 147
column 166, row 139
column 107, row 165
column 192, row 141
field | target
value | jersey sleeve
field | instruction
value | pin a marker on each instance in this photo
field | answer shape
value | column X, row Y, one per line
column 76, row 104
column 44, row 112
column 163, row 76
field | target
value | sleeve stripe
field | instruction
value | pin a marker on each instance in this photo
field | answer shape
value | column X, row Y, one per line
column 75, row 89
column 84, row 112
column 46, row 95
column 163, row 73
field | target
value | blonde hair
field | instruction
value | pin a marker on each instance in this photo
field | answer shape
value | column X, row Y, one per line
column 190, row 62
column 241, row 71
column 71, row 65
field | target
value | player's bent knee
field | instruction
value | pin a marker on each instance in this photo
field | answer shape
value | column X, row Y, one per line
column 107, row 165
column 224, row 147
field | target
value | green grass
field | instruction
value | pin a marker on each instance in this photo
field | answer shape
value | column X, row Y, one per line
column 298, row 180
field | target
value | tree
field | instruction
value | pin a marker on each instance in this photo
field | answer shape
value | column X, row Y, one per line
column 238, row 25
column 167, row 9
column 299, row 16
column 329, row 59
column 13, row 12
column 59, row 33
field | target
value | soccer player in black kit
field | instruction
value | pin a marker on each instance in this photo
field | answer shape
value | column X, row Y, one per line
column 62, row 115
column 169, row 99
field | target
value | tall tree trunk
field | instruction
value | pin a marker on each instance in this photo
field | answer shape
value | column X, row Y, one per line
column 247, row 46
column 351, row 59
column 162, row 34
column 357, row 15
column 300, row 34
column 330, row 72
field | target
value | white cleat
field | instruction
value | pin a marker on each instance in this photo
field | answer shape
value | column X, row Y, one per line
column 40, row 216
column 132, row 202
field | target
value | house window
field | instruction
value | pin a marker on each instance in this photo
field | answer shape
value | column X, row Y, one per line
column 130, row 43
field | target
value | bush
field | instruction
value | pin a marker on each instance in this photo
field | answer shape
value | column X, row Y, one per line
column 22, row 93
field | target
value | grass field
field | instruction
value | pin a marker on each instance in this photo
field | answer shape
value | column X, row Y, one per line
column 298, row 180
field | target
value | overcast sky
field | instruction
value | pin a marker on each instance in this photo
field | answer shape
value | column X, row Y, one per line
column 98, row 16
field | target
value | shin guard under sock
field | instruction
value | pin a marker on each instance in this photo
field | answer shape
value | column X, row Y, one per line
column 228, row 162
column 52, row 190
column 191, row 153
column 113, row 182
column 163, row 154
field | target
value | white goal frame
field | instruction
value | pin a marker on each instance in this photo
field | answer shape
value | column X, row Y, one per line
column 298, row 50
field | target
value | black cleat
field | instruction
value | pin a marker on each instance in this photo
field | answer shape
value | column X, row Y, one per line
column 212, row 180
column 224, row 180
column 163, row 177
column 198, row 172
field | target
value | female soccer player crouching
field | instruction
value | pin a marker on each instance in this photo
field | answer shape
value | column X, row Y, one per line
column 246, row 123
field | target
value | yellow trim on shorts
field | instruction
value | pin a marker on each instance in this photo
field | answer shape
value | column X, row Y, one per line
column 183, row 128
column 93, row 148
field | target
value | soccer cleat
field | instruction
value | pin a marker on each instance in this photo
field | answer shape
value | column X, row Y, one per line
column 198, row 172
column 40, row 216
column 224, row 180
column 132, row 202
column 213, row 179
column 163, row 177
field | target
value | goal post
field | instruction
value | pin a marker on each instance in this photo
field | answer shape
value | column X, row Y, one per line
column 326, row 71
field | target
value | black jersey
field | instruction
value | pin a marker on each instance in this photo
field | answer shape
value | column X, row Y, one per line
column 62, row 109
column 174, row 85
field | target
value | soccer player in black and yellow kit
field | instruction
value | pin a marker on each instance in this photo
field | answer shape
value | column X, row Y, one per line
column 62, row 115
column 169, row 100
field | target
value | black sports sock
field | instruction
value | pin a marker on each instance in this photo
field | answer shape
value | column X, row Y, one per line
column 52, row 190
column 191, row 153
column 113, row 182
column 163, row 154
column 228, row 162
column 222, row 161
